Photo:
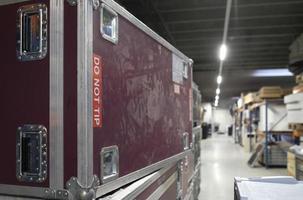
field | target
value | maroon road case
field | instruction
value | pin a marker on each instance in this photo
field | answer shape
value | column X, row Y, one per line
column 97, row 100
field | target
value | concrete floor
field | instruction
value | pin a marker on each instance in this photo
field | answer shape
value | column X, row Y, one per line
column 222, row 160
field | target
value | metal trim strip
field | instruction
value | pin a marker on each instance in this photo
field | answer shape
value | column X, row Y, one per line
column 56, row 94
column 123, row 12
column 163, row 188
column 144, row 186
column 7, row 2
column 197, row 169
column 25, row 191
column 84, row 88
column 189, row 193
column 108, row 187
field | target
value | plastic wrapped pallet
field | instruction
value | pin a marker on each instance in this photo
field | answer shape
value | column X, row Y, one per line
column 296, row 50
column 269, row 188
column 294, row 106
column 276, row 118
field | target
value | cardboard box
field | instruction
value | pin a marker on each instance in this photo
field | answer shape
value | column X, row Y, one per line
column 287, row 91
column 270, row 92
column 297, row 89
column 294, row 106
column 291, row 164
column 299, row 79
column 252, row 97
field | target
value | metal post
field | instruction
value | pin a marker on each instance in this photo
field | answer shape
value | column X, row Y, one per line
column 84, row 88
column 266, row 134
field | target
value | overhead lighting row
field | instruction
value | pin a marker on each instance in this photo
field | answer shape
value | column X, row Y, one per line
column 222, row 57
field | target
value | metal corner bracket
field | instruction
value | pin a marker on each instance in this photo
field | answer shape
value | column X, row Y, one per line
column 96, row 3
column 78, row 192
column 72, row 2
column 56, row 194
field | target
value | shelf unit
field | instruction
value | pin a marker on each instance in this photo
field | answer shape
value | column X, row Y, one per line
column 268, row 130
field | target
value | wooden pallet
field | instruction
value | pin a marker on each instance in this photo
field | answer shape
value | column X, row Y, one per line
column 295, row 126
column 256, row 155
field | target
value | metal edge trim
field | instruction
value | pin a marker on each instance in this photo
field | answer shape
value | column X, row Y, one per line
column 56, row 95
column 144, row 186
column 163, row 188
column 108, row 187
column 26, row 191
column 123, row 12
column 196, row 170
column 189, row 192
column 84, row 94
column 7, row 2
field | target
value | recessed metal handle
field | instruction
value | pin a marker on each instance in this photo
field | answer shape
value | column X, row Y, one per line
column 31, row 153
column 32, row 32
column 109, row 163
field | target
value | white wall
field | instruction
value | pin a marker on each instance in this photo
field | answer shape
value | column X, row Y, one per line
column 223, row 118
column 208, row 113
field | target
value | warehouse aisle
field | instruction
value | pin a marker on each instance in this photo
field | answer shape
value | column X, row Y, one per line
column 222, row 160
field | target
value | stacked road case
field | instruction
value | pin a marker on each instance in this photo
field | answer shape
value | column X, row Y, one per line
column 97, row 101
column 269, row 188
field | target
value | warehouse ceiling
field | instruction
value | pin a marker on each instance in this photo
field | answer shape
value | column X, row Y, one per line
column 259, row 34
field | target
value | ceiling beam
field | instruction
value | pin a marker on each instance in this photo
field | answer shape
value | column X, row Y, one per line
column 236, row 23
column 253, row 62
column 237, row 49
column 246, row 44
column 238, row 68
column 150, row 6
column 237, row 6
column 216, row 41
column 248, row 55
column 236, row 37
column 257, row 17
column 203, row 30
column 278, row 31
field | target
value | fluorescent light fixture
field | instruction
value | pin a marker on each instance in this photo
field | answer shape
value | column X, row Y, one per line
column 219, row 79
column 218, row 91
column 217, row 97
column 222, row 52
column 271, row 72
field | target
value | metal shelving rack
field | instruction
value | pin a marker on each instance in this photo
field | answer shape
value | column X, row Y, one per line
column 268, row 132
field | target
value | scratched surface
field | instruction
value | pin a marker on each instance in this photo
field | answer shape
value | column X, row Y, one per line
column 142, row 114
column 70, row 91
column 24, row 90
